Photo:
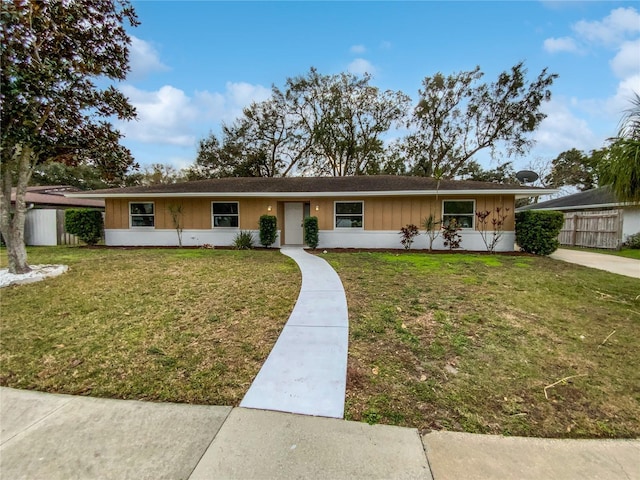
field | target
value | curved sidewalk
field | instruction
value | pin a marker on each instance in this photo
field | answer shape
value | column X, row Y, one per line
column 306, row 370
column 610, row 263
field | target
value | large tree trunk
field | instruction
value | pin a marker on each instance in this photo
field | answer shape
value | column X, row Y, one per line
column 12, row 222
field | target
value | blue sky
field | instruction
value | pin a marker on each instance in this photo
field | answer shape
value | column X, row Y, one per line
column 197, row 64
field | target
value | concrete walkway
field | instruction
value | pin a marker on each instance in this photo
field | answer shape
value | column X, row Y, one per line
column 306, row 370
column 67, row 437
column 611, row 263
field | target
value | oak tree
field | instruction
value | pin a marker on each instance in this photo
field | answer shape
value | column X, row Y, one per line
column 51, row 107
column 457, row 116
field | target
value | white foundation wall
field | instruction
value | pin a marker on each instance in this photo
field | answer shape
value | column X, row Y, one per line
column 471, row 240
column 152, row 237
column 327, row 239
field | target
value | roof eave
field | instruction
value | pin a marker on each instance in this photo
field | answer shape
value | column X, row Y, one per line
column 519, row 193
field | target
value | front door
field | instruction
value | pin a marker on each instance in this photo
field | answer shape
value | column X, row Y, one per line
column 293, row 217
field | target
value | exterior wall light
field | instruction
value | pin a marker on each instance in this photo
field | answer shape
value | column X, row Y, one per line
column 269, row 208
column 317, row 207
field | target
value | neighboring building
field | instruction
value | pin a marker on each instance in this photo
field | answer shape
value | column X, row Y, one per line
column 44, row 223
column 353, row 212
column 597, row 215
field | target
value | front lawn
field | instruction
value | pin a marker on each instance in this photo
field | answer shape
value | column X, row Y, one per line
column 469, row 343
column 463, row 342
column 171, row 325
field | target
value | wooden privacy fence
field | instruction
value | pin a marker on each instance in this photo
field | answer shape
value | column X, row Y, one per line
column 592, row 229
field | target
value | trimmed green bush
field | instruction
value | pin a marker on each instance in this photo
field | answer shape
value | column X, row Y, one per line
column 633, row 241
column 268, row 230
column 243, row 240
column 311, row 232
column 85, row 223
column 537, row 231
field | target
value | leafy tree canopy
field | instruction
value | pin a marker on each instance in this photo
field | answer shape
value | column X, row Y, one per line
column 457, row 116
column 318, row 124
column 621, row 168
column 576, row 168
column 50, row 106
column 503, row 173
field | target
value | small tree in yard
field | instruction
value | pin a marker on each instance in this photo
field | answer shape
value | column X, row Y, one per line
column 175, row 210
column 452, row 238
column 84, row 223
column 51, row 108
column 498, row 218
column 268, row 230
column 409, row 233
column 432, row 227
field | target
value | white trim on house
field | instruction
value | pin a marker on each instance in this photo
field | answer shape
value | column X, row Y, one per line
column 306, row 195
column 221, row 237
column 472, row 214
column 143, row 227
column 335, row 215
column 581, row 207
column 213, row 225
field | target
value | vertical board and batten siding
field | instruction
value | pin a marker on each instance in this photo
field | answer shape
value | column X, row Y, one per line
column 196, row 212
column 380, row 213
column 601, row 229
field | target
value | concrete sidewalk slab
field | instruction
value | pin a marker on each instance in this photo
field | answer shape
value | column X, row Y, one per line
column 255, row 444
column 304, row 374
column 87, row 438
column 306, row 371
column 21, row 409
column 487, row 457
column 610, row 263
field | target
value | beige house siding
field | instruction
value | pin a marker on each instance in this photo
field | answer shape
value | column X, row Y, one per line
column 380, row 213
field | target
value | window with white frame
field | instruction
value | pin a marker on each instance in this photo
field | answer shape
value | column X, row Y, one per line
column 349, row 214
column 142, row 214
column 463, row 211
column 225, row 214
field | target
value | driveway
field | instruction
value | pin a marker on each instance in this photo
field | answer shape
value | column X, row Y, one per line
column 601, row 261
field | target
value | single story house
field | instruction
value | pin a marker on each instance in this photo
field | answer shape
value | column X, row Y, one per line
column 44, row 222
column 352, row 212
column 623, row 219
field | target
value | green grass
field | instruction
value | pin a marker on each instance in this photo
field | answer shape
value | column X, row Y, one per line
column 469, row 343
column 449, row 341
column 175, row 325
column 624, row 252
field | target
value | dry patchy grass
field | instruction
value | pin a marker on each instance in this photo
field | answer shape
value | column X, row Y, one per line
column 469, row 342
column 177, row 325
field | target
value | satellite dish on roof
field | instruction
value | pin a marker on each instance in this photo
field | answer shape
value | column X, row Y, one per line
column 526, row 176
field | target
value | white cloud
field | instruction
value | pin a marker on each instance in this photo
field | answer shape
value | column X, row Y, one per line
column 627, row 61
column 562, row 130
column 143, row 59
column 227, row 106
column 621, row 101
column 169, row 116
column 385, row 45
column 360, row 66
column 612, row 29
column 563, row 44
column 358, row 49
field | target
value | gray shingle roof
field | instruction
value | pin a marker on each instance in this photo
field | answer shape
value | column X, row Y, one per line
column 372, row 183
column 588, row 199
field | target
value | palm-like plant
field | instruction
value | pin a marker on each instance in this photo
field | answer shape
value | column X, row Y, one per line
column 622, row 167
